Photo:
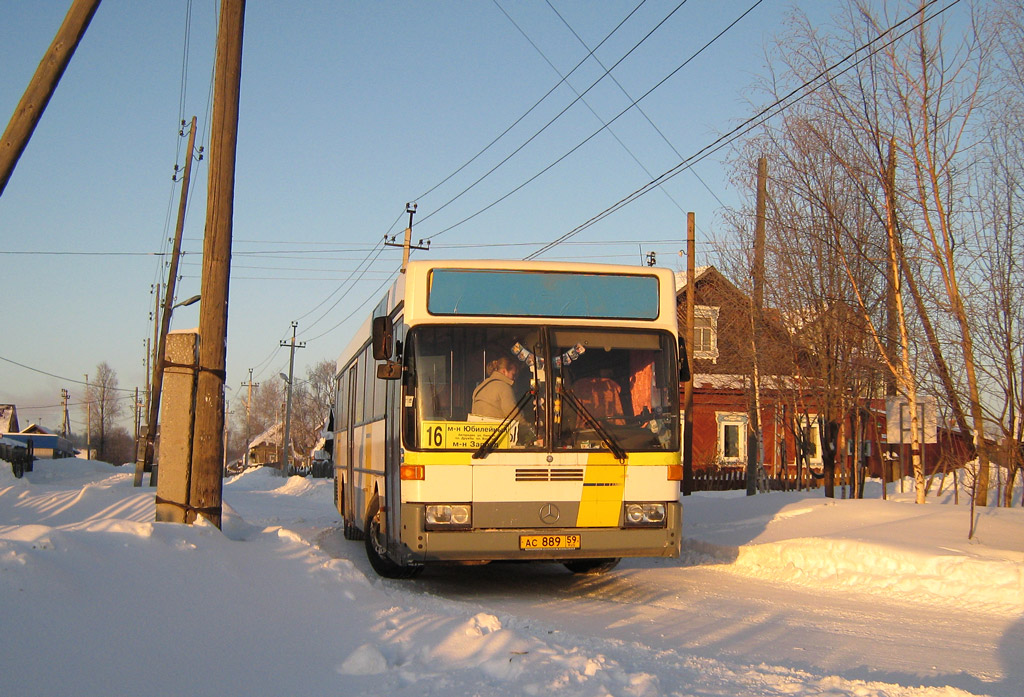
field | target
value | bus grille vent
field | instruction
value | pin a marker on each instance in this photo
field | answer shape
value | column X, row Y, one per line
column 543, row 474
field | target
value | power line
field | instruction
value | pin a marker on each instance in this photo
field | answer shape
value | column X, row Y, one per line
column 545, row 127
column 604, row 127
column 523, row 116
column 748, row 125
column 46, row 252
column 61, row 377
column 643, row 113
column 372, row 296
column 340, row 297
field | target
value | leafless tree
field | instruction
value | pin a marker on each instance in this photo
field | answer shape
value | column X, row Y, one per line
column 910, row 89
column 102, row 406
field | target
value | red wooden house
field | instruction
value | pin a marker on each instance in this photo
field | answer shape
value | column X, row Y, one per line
column 723, row 397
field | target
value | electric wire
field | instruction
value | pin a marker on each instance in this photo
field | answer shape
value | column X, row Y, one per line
column 369, row 298
column 773, row 109
column 342, row 296
column 378, row 248
column 543, row 128
column 643, row 113
column 61, row 377
column 603, row 128
column 585, row 102
column 528, row 111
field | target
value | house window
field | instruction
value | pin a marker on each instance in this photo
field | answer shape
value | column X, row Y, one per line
column 732, row 437
column 705, row 332
column 810, row 437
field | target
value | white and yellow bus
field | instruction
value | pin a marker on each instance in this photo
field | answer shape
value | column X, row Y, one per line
column 583, row 468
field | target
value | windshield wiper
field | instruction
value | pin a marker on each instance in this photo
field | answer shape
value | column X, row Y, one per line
column 487, row 447
column 592, row 421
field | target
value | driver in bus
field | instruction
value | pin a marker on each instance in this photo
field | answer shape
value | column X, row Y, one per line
column 494, row 398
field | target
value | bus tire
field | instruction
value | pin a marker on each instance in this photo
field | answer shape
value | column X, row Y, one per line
column 376, row 551
column 592, row 566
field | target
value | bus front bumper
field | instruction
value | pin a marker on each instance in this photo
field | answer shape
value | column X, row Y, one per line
column 503, row 544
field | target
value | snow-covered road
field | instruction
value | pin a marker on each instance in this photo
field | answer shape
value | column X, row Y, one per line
column 783, row 594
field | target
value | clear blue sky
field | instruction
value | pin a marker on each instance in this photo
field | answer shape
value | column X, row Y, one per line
column 348, row 111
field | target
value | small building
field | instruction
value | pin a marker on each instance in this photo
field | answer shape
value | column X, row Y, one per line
column 265, row 449
column 45, row 443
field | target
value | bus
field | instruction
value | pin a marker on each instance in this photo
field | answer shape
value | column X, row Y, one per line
column 579, row 466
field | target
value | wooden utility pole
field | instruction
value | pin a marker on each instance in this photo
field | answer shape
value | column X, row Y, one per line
column 688, row 385
column 88, row 420
column 287, row 449
column 65, row 427
column 407, row 245
column 145, row 452
column 755, row 440
column 248, row 405
column 208, row 442
column 42, row 86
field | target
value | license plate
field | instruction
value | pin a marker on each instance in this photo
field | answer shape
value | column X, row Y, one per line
column 549, row 542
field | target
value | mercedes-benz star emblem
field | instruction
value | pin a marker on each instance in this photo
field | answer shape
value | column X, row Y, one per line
column 549, row 514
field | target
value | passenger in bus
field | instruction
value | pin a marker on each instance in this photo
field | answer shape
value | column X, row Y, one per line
column 602, row 397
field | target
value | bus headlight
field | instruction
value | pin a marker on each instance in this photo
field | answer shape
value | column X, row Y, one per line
column 645, row 514
column 448, row 516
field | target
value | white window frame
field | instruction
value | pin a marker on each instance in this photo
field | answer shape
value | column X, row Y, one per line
column 726, row 419
column 709, row 313
column 810, row 421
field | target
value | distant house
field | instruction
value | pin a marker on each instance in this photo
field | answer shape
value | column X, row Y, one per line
column 265, row 449
column 45, row 443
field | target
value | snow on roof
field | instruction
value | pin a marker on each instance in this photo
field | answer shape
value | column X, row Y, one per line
column 697, row 273
column 38, row 428
column 271, row 436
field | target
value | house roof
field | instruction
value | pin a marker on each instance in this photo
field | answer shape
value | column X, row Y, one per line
column 38, row 428
column 697, row 274
column 272, row 436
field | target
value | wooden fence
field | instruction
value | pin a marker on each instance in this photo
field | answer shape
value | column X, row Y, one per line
column 728, row 480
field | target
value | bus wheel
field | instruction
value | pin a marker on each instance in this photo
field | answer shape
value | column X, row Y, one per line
column 376, row 551
column 591, row 566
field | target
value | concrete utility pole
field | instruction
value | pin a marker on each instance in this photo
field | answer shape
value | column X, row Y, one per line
column 688, row 385
column 145, row 451
column 286, row 445
column 206, row 483
column 42, row 86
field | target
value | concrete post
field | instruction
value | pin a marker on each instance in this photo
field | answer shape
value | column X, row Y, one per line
column 177, row 421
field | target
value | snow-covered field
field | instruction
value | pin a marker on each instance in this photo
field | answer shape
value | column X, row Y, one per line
column 778, row 594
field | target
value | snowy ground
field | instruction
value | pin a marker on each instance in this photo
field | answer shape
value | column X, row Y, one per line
column 779, row 594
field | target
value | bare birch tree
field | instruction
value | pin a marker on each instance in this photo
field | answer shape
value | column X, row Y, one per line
column 909, row 84
column 103, row 405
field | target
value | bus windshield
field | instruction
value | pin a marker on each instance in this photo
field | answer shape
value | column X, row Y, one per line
column 540, row 388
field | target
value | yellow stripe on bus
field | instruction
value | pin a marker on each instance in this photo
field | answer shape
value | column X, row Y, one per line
column 603, row 489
